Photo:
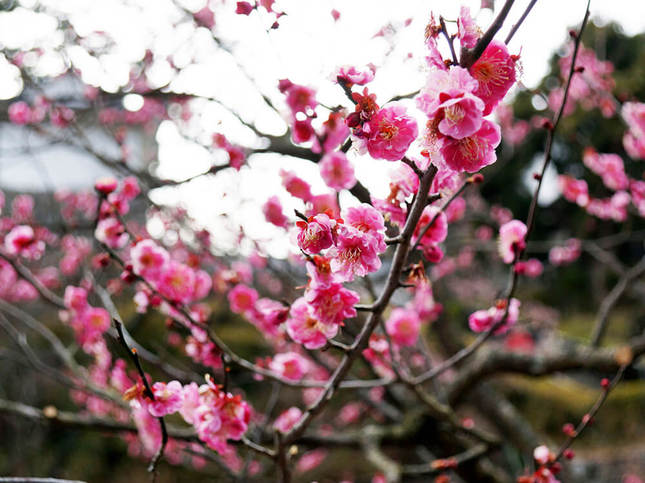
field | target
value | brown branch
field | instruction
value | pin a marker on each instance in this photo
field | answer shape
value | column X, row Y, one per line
column 611, row 300
column 517, row 25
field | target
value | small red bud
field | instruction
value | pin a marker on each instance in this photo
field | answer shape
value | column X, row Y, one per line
column 569, row 454
column 548, row 125
column 580, row 69
column 537, row 176
column 573, row 34
column 476, row 178
column 586, row 419
column 569, row 430
column 604, row 383
column 556, row 468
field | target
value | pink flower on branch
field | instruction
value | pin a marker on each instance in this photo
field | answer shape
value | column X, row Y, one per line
column 511, row 240
column 390, row 132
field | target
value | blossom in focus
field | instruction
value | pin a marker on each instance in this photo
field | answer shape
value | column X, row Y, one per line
column 316, row 234
column 474, row 152
column 511, row 240
column 495, row 73
column 390, row 132
column 303, row 327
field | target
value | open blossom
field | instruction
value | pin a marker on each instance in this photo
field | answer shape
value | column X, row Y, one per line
column 473, row 152
column 220, row 416
column 574, row 190
column 356, row 254
column 90, row 324
column 390, row 132
column 495, row 72
column 336, row 171
column 511, row 240
column 110, row 231
column 634, row 140
column 242, row 298
column 403, row 326
column 148, row 259
column 290, row 365
column 272, row 210
column 22, row 241
column 168, row 398
column 287, row 419
column 332, row 303
column 448, row 100
column 304, row 328
column 483, row 320
column 316, row 234
column 177, row 282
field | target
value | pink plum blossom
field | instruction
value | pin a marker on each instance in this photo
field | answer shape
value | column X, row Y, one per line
column 574, row 190
column 177, row 282
column 290, row 365
column 390, row 132
column 111, row 232
column 168, row 398
column 21, row 241
column 469, row 32
column 242, row 298
column 336, row 171
column 483, row 320
column 350, row 75
column 566, row 254
column 295, row 185
column 331, row 303
column 304, row 328
column 511, row 240
column 19, row 113
column 356, row 254
column 287, row 419
column 403, row 326
column 316, row 234
column 148, row 259
column 272, row 210
column 473, row 152
column 495, row 73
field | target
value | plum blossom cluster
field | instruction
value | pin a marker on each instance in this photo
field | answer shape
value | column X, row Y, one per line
column 591, row 86
column 456, row 100
column 217, row 416
column 611, row 170
column 634, row 139
column 501, row 316
column 109, row 228
column 89, row 323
